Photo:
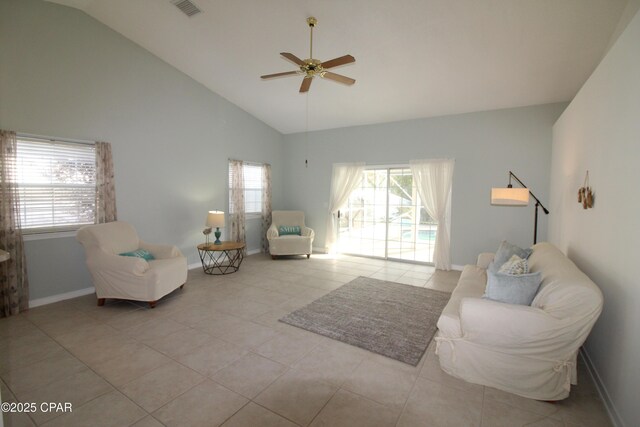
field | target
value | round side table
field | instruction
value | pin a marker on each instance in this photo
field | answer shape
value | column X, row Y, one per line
column 221, row 259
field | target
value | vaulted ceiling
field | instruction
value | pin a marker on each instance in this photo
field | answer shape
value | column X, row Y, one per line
column 414, row 58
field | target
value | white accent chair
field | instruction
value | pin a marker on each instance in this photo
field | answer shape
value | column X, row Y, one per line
column 130, row 278
column 289, row 244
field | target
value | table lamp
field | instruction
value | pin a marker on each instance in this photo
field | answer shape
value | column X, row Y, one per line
column 216, row 219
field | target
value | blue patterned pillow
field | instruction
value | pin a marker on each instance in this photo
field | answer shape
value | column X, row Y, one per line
column 289, row 230
column 515, row 266
column 140, row 253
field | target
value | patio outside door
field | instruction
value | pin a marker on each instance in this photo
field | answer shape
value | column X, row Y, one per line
column 385, row 218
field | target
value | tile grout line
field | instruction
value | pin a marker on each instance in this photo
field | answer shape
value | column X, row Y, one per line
column 484, row 392
column 239, row 409
column 273, row 412
column 116, row 388
column 90, row 369
column 413, row 386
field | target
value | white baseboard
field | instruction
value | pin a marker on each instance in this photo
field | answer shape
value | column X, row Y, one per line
column 61, row 297
column 602, row 390
column 457, row 267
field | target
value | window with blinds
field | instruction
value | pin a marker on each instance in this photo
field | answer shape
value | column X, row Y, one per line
column 252, row 188
column 56, row 183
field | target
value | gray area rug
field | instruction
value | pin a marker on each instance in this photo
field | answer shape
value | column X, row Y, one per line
column 391, row 319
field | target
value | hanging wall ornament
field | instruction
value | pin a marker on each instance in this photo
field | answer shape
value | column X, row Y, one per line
column 585, row 194
column 589, row 198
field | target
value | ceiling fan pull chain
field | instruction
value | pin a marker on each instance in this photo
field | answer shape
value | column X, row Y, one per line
column 311, row 43
column 306, row 133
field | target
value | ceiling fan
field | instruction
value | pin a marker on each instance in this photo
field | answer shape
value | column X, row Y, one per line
column 310, row 68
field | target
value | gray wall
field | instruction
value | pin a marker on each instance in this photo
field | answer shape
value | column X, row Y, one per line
column 485, row 145
column 600, row 132
column 64, row 74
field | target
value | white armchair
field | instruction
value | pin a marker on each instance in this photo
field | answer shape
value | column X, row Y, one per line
column 289, row 244
column 131, row 278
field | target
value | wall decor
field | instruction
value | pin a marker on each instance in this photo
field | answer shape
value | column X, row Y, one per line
column 585, row 194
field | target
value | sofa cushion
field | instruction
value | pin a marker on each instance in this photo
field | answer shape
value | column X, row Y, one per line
column 512, row 289
column 471, row 284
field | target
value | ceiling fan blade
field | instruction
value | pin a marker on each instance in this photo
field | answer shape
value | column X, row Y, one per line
column 291, row 57
column 271, row 76
column 306, row 83
column 338, row 78
column 347, row 59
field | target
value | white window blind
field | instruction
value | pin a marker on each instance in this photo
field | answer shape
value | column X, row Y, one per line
column 57, row 184
column 252, row 188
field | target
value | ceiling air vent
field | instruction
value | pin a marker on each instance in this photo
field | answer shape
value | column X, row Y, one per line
column 187, row 7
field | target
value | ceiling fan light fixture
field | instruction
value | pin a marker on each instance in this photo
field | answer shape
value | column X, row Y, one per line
column 311, row 67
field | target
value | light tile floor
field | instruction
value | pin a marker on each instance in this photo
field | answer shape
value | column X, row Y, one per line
column 214, row 354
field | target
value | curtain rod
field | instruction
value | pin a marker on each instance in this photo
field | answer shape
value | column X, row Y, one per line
column 386, row 166
column 53, row 138
column 249, row 162
column 400, row 165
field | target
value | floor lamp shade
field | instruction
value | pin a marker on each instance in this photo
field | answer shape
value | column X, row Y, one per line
column 510, row 196
column 518, row 197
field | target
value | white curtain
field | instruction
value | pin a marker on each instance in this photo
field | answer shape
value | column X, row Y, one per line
column 434, row 180
column 236, row 210
column 345, row 178
column 266, row 205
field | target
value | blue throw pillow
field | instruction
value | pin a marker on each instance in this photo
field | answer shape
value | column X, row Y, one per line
column 505, row 251
column 289, row 230
column 140, row 253
column 512, row 289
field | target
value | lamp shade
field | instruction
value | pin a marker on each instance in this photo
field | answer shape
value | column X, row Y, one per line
column 510, row 196
column 215, row 219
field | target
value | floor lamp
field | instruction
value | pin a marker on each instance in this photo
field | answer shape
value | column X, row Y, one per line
column 517, row 197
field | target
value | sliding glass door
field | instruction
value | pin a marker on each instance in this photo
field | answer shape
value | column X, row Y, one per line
column 385, row 218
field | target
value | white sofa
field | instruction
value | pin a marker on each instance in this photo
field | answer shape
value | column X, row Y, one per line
column 530, row 351
column 289, row 245
column 131, row 278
